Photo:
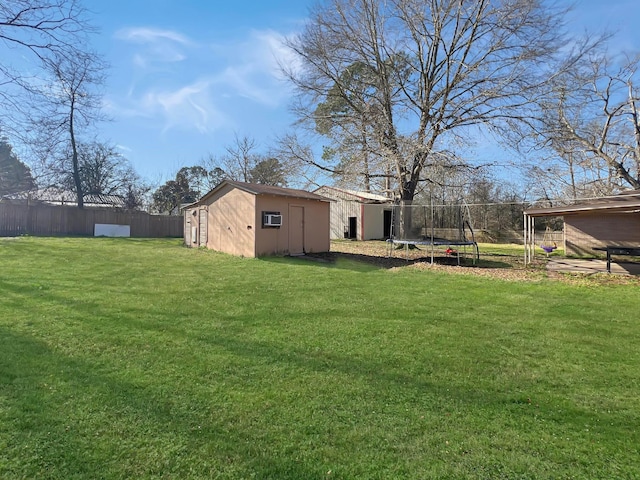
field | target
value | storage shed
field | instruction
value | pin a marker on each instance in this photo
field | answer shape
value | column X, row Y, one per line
column 593, row 224
column 358, row 215
column 254, row 220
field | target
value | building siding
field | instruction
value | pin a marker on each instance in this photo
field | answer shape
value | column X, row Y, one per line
column 277, row 240
column 346, row 205
column 373, row 219
column 234, row 223
column 231, row 222
column 586, row 231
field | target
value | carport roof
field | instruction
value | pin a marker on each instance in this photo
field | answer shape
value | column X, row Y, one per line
column 258, row 189
column 628, row 201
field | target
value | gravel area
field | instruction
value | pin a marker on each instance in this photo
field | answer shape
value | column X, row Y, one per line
column 508, row 268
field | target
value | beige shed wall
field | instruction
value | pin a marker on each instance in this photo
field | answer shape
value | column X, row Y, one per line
column 585, row 231
column 316, row 232
column 231, row 222
column 271, row 241
column 373, row 221
column 234, row 224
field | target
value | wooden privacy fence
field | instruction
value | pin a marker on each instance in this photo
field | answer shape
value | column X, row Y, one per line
column 48, row 220
column 549, row 238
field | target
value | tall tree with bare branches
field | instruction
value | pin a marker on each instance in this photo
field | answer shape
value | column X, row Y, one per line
column 412, row 77
column 48, row 80
column 587, row 132
column 33, row 32
column 243, row 162
column 67, row 108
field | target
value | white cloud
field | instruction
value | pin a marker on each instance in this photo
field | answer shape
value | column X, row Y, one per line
column 279, row 54
column 189, row 106
column 186, row 108
column 158, row 46
column 253, row 67
column 193, row 95
column 150, row 35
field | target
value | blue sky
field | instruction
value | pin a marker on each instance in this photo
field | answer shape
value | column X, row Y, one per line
column 187, row 76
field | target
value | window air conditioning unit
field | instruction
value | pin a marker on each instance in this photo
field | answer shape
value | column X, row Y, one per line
column 272, row 220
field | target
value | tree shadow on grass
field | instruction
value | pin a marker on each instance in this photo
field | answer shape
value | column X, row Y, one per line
column 66, row 417
column 86, row 416
column 385, row 375
column 492, row 263
column 364, row 262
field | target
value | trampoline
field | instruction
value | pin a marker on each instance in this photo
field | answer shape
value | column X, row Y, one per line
column 428, row 233
column 436, row 242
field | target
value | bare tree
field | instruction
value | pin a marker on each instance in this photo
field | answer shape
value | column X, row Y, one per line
column 103, row 171
column 67, row 109
column 411, row 76
column 34, row 32
column 244, row 163
column 240, row 158
column 298, row 160
column 589, row 127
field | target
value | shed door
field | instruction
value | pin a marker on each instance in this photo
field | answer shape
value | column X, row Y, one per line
column 296, row 230
column 353, row 227
column 202, row 226
column 386, row 227
column 187, row 229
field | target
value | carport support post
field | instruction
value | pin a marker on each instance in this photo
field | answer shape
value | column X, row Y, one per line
column 532, row 238
column 433, row 213
column 529, row 239
column 525, row 237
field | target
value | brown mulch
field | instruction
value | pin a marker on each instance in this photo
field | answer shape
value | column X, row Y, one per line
column 508, row 268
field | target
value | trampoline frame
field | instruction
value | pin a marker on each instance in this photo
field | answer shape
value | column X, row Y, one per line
column 433, row 241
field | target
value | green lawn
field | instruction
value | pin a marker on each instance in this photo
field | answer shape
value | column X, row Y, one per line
column 514, row 250
column 126, row 358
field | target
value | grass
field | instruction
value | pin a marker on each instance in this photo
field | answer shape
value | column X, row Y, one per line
column 513, row 249
column 124, row 358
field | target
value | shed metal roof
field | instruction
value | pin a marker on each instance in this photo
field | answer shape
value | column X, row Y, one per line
column 364, row 197
column 259, row 189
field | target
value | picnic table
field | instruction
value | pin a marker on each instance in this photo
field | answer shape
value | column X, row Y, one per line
column 617, row 250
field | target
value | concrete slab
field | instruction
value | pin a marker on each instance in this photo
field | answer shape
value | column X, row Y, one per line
column 571, row 265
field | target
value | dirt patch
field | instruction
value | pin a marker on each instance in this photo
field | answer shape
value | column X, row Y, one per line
column 503, row 267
